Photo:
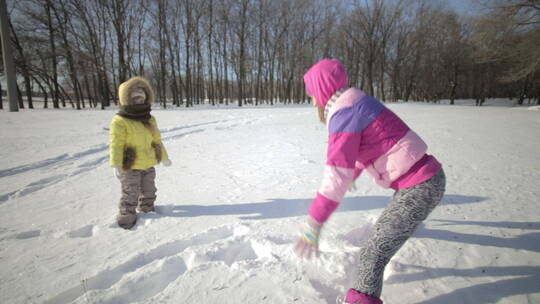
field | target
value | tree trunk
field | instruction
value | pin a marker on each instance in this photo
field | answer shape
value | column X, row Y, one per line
column 242, row 37
column 122, row 68
column 88, row 91
column 226, row 67
column 200, row 85
column 52, row 44
column 22, row 65
column 162, row 69
column 174, row 84
column 187, row 42
column 454, row 84
column 28, row 87
column 258, row 89
column 210, row 68
column 43, row 91
column 181, row 86
column 19, row 97
column 524, row 90
column 381, row 82
column 69, row 56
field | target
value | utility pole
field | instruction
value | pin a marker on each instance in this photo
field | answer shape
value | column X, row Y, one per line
column 9, row 68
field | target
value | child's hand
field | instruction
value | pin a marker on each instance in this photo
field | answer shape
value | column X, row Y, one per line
column 166, row 162
column 307, row 245
column 306, row 249
column 117, row 171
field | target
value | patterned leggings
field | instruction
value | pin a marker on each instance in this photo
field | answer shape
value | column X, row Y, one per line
column 408, row 208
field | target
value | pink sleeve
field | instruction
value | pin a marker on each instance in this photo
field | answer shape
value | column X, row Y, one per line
column 334, row 185
column 339, row 172
column 357, row 172
column 322, row 208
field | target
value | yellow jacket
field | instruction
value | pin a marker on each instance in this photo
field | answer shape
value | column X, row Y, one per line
column 133, row 146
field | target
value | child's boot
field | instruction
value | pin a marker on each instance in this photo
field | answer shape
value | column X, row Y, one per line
column 146, row 208
column 131, row 187
column 126, row 220
column 356, row 297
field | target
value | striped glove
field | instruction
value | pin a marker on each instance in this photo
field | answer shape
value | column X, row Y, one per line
column 307, row 245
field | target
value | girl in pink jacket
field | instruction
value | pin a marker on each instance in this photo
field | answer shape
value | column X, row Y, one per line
column 366, row 136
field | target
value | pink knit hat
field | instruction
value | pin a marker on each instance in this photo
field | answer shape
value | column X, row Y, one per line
column 324, row 78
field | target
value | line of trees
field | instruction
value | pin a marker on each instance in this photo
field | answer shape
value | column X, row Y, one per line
column 77, row 52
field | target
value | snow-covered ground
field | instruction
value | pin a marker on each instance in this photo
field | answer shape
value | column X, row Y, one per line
column 231, row 205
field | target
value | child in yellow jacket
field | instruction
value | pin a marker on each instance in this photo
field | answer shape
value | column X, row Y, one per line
column 135, row 148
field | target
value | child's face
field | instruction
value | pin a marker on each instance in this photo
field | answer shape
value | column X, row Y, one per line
column 138, row 100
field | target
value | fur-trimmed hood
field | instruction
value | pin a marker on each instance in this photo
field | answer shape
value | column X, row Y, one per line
column 125, row 89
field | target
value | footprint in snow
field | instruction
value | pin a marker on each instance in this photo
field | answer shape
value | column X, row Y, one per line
column 84, row 232
column 158, row 267
column 357, row 237
column 236, row 251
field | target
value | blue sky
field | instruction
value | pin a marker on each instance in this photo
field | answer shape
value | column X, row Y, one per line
column 463, row 7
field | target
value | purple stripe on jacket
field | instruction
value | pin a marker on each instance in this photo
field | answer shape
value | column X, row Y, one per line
column 356, row 118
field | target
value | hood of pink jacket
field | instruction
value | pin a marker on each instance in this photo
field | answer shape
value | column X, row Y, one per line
column 324, row 78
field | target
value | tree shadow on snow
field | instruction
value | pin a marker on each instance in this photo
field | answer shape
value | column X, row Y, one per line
column 280, row 208
column 271, row 209
column 525, row 241
column 490, row 292
column 458, row 199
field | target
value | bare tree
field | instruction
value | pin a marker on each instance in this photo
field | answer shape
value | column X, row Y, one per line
column 256, row 51
column 117, row 9
column 519, row 23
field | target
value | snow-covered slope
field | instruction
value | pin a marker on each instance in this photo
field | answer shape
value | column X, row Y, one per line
column 230, row 206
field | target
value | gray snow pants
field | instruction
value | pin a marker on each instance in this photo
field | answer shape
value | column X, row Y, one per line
column 408, row 208
column 138, row 190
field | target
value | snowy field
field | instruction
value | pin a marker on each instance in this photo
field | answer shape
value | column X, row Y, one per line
column 230, row 207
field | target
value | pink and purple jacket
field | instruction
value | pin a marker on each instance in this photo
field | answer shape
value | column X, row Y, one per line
column 363, row 135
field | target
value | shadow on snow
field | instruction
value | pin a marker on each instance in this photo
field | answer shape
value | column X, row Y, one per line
column 280, row 208
column 525, row 278
column 525, row 281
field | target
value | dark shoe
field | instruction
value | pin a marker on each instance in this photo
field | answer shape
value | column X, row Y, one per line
column 127, row 220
